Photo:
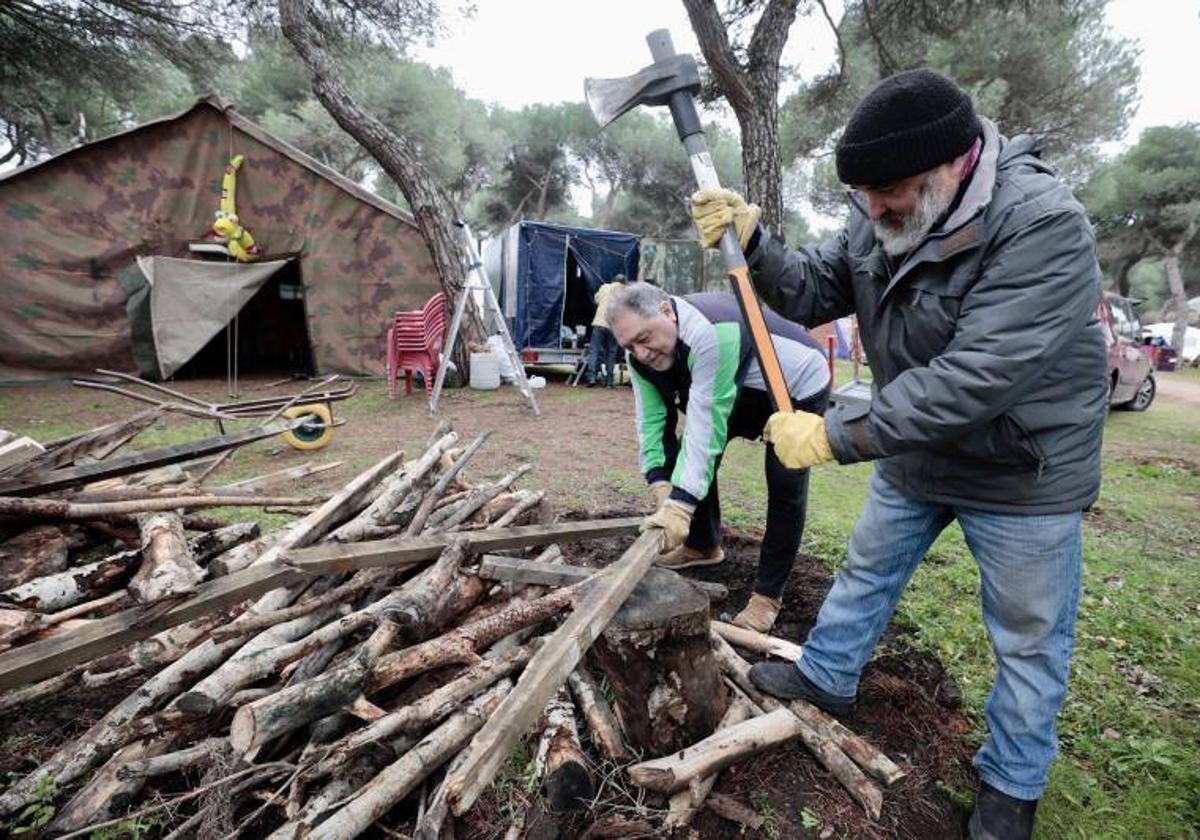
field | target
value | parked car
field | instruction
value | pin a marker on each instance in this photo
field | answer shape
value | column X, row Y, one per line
column 1130, row 375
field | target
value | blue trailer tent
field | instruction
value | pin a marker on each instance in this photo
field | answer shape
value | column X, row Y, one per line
column 545, row 277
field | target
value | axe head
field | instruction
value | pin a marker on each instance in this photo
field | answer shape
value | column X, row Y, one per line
column 653, row 85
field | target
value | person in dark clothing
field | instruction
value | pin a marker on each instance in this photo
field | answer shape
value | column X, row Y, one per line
column 972, row 270
column 692, row 355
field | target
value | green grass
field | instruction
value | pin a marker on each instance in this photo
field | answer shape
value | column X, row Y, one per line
column 1129, row 765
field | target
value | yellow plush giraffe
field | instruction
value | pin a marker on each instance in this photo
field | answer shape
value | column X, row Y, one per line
column 238, row 240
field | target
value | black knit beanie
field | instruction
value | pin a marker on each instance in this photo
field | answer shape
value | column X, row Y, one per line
column 909, row 123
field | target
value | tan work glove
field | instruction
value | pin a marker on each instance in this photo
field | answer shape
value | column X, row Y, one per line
column 715, row 208
column 799, row 439
column 674, row 518
column 660, row 491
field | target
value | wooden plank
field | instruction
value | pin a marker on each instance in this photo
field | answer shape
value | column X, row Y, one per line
column 548, row 670
column 44, row 658
column 139, row 461
column 518, row 570
column 350, row 557
column 19, row 452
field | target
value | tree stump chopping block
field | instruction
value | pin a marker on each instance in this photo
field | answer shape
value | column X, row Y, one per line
column 656, row 653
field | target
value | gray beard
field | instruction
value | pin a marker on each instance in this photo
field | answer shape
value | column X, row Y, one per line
column 930, row 206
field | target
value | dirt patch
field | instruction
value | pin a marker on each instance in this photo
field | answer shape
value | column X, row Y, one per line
column 908, row 706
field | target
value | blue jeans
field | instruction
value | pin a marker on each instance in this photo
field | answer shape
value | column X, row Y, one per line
column 1029, row 568
column 602, row 350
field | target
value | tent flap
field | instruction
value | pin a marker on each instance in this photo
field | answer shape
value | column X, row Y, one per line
column 192, row 300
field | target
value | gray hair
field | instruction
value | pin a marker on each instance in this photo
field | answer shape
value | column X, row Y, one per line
column 642, row 298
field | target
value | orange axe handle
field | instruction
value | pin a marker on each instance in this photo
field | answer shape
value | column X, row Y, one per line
column 768, row 360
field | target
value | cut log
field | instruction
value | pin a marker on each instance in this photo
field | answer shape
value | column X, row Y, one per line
column 167, row 566
column 59, row 509
column 40, row 690
column 401, row 778
column 821, row 744
column 106, row 794
column 243, row 556
column 417, row 524
column 606, row 735
column 41, row 550
column 667, row 686
column 549, row 670
column 758, row 642
column 686, row 803
column 197, row 755
column 216, row 542
column 734, row 811
column 524, row 503
column 263, row 720
column 448, row 518
column 719, row 750
column 433, row 707
column 380, row 512
column 41, row 659
column 559, row 761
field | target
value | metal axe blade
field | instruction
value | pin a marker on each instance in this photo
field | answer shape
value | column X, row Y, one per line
column 653, row 85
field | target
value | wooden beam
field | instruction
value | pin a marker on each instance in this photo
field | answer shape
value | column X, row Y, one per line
column 38, row 660
column 548, row 670
column 518, row 570
column 144, row 460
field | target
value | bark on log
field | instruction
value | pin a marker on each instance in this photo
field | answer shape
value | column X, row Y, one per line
column 549, row 670
column 719, row 750
column 42, row 550
column 460, row 645
column 167, row 566
column 420, row 714
column 667, row 686
column 758, row 642
column 820, row 744
column 559, row 761
column 242, row 556
column 58, row 509
column 40, row 690
column 685, row 804
column 417, row 524
column 401, row 778
column 449, row 517
column 216, row 542
column 74, row 759
column 106, row 794
column 199, row 754
column 606, row 735
column 528, row 502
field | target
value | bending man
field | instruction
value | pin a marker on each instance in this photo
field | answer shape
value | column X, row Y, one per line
column 973, row 272
column 693, row 355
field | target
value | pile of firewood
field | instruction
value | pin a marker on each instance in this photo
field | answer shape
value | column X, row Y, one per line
column 392, row 644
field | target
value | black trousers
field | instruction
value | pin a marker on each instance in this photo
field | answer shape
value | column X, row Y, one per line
column 787, row 493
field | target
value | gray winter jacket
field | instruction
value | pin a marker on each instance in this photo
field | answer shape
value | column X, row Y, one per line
column 984, row 343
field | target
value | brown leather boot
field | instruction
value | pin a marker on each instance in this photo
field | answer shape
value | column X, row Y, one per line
column 760, row 613
column 683, row 557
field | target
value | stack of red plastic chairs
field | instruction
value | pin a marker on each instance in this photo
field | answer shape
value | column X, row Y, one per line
column 414, row 343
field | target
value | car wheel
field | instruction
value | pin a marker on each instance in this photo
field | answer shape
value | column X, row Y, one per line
column 1144, row 396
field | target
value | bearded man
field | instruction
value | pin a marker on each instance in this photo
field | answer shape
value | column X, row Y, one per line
column 973, row 273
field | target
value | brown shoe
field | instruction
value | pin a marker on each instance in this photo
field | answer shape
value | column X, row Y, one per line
column 760, row 613
column 684, row 557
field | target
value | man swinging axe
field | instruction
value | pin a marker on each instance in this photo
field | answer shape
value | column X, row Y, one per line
column 973, row 273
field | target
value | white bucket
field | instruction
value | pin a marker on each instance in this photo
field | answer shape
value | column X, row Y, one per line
column 485, row 371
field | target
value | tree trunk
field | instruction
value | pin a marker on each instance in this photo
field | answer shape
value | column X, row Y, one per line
column 656, row 652
column 1179, row 298
column 752, row 89
column 167, row 565
column 432, row 207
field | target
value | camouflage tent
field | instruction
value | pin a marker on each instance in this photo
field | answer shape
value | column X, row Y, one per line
column 681, row 266
column 71, row 228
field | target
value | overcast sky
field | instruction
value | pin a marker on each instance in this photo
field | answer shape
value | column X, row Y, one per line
column 518, row 52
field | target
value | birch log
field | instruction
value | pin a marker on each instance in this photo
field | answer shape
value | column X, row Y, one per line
column 606, row 735
column 559, row 761
column 167, row 566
